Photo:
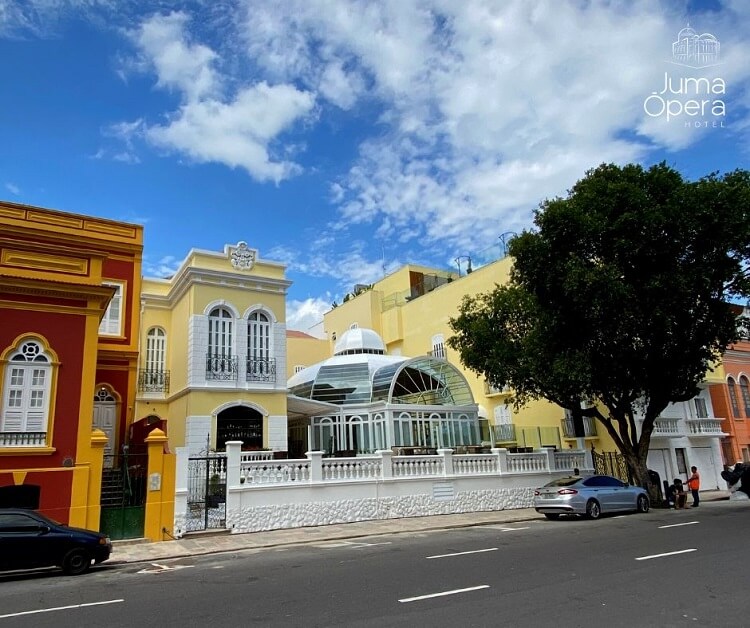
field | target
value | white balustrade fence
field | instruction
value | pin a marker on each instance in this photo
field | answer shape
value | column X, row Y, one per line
column 268, row 494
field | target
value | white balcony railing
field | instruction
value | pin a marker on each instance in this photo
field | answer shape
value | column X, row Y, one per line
column 704, row 427
column 667, row 427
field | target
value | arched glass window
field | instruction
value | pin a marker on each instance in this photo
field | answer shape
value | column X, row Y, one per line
column 731, row 386
column 156, row 346
column 745, row 395
column 259, row 336
column 27, row 393
column 261, row 367
column 220, row 333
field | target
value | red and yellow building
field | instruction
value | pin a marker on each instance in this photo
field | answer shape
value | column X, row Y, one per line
column 69, row 320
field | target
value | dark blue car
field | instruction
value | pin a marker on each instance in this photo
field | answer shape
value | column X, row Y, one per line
column 29, row 540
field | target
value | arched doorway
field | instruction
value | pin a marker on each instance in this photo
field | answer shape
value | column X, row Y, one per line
column 239, row 423
column 105, row 419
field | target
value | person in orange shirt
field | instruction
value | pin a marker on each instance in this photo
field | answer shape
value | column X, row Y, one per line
column 694, row 484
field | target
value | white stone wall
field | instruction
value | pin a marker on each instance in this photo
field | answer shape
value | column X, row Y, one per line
column 277, row 507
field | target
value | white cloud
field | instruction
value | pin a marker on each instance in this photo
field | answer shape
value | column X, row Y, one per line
column 238, row 130
column 237, row 133
column 305, row 315
column 178, row 63
column 163, row 267
column 13, row 188
column 487, row 108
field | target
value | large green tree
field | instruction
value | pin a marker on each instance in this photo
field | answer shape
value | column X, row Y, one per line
column 618, row 302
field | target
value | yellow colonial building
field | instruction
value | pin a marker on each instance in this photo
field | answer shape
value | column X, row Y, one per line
column 410, row 310
column 213, row 362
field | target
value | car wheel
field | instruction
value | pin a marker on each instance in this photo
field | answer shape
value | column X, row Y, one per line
column 552, row 515
column 593, row 509
column 76, row 562
column 642, row 504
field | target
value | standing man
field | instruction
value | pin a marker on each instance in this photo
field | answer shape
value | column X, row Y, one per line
column 694, row 484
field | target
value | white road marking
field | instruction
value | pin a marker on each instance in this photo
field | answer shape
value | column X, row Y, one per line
column 442, row 593
column 512, row 529
column 677, row 525
column 667, row 554
column 162, row 568
column 352, row 544
column 60, row 608
column 489, row 549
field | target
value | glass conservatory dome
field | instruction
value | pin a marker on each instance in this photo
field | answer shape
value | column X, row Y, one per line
column 359, row 373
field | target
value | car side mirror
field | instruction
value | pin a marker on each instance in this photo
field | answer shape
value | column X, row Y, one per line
column 44, row 529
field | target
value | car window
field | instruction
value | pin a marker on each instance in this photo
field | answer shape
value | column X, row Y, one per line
column 594, row 481
column 563, row 482
column 15, row 522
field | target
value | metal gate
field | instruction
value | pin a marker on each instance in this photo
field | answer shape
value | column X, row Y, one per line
column 610, row 463
column 207, row 492
column 123, row 497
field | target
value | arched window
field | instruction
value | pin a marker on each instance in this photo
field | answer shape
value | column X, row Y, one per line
column 731, row 386
column 26, row 397
column 220, row 363
column 220, row 333
column 156, row 348
column 260, row 365
column 438, row 346
column 745, row 395
column 154, row 376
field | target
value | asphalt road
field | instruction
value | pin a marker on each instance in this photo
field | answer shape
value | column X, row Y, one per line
column 665, row 568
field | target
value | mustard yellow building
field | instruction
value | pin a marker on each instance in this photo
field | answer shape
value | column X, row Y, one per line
column 410, row 309
column 213, row 364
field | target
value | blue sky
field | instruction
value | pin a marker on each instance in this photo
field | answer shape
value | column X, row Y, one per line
column 343, row 137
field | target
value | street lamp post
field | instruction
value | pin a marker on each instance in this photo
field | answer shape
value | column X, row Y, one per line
column 468, row 265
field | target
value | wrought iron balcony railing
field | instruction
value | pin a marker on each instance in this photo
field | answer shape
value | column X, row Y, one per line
column 153, row 381
column 589, row 427
column 221, row 368
column 261, row 370
column 23, row 439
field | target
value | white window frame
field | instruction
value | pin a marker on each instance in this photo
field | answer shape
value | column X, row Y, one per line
column 259, row 336
column 220, row 333
column 156, row 350
column 438, row 346
column 27, row 389
column 112, row 320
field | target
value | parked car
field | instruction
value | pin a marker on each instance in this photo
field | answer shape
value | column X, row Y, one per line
column 589, row 496
column 28, row 540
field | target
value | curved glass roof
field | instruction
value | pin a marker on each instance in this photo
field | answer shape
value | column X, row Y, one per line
column 366, row 378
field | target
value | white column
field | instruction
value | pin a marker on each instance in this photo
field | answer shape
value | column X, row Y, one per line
column 316, row 465
column 234, row 449
column 550, row 451
column 502, row 458
column 387, row 463
column 447, row 455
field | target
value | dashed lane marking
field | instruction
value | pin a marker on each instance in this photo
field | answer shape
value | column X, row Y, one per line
column 677, row 525
column 443, row 593
column 667, row 554
column 479, row 551
column 61, row 608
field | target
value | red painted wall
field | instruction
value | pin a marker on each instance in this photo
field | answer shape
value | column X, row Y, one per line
column 55, row 491
column 65, row 335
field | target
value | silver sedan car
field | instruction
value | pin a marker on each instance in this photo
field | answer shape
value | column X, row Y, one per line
column 589, row 496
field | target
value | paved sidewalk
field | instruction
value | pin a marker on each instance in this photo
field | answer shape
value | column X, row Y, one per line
column 222, row 541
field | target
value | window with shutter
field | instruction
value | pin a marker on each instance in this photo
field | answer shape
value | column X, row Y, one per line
column 26, row 398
